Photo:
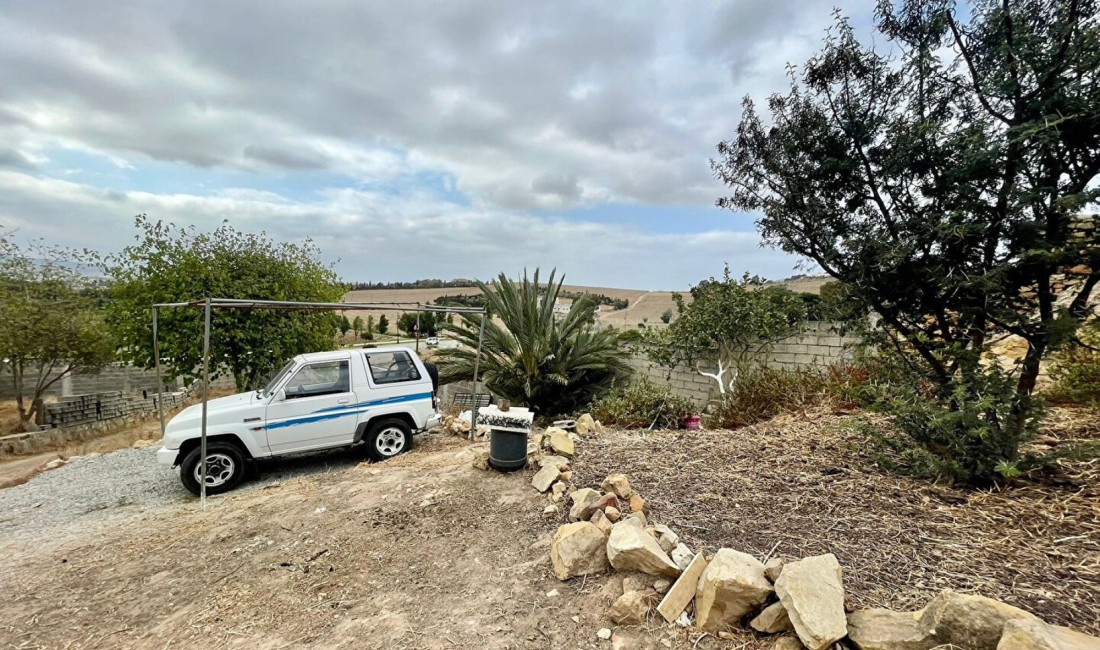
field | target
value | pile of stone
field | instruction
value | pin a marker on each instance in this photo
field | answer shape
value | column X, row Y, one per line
column 802, row 600
column 459, row 425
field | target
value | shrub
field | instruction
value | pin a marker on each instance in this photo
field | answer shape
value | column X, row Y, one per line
column 642, row 405
column 761, row 392
column 1076, row 371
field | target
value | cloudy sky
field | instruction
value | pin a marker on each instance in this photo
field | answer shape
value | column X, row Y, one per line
column 408, row 139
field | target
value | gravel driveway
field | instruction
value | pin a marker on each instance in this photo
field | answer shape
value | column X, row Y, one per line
column 93, row 491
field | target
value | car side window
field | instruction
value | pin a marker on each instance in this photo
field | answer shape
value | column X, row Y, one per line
column 322, row 378
column 391, row 367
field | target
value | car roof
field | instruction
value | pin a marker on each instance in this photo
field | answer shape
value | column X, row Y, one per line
column 343, row 354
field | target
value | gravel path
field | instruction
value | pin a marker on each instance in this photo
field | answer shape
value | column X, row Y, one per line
column 94, row 491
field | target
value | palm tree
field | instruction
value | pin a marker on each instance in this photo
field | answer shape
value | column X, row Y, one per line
column 553, row 365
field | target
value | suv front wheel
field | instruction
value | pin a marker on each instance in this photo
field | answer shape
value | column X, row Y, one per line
column 224, row 468
column 388, row 438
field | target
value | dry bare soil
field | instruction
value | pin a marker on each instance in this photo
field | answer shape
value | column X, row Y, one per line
column 425, row 551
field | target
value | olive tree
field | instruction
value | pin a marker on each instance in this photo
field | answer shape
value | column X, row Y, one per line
column 50, row 324
column 172, row 264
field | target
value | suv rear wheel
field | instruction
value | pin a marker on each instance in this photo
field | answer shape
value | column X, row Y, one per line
column 224, row 468
column 388, row 438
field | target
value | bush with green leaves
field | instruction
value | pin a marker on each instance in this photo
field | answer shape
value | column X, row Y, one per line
column 531, row 357
column 1076, row 370
column 642, row 405
column 761, row 392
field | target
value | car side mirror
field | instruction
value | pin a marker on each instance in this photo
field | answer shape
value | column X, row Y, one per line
column 280, row 395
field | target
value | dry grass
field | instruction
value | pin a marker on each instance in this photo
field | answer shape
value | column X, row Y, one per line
column 803, row 485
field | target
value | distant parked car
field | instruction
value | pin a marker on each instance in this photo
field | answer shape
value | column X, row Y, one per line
column 376, row 398
column 433, row 341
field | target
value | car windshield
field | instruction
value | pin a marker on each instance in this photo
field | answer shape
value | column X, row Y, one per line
column 270, row 386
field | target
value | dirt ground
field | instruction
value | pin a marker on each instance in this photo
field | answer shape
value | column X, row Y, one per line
column 425, row 551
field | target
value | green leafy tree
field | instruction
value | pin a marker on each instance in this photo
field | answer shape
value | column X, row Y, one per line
column 383, row 324
column 170, row 264
column 529, row 356
column 344, row 324
column 357, row 326
column 735, row 320
column 939, row 175
column 50, row 324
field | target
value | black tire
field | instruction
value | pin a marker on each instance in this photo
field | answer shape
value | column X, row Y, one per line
column 433, row 372
column 388, row 438
column 225, row 468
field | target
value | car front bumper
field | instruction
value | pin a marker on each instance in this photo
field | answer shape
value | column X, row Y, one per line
column 167, row 457
column 433, row 421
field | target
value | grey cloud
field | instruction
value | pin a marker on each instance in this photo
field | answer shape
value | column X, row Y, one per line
column 486, row 90
column 561, row 185
column 15, row 159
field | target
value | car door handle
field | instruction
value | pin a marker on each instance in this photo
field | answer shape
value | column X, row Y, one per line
column 343, row 401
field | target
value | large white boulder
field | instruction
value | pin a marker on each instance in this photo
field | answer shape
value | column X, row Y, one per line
column 732, row 586
column 812, row 592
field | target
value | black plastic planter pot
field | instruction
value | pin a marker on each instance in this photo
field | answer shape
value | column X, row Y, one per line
column 507, row 450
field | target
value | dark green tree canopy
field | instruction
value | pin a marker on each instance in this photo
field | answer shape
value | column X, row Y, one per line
column 939, row 172
column 170, row 264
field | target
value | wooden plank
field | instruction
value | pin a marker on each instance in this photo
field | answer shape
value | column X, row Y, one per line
column 681, row 593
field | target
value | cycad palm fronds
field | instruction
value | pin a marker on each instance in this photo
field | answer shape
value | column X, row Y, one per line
column 529, row 356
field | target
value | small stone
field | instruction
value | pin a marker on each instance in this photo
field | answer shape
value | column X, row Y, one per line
column 638, row 517
column 604, row 633
column 682, row 556
column 578, row 549
column 559, row 488
column 552, row 593
column 585, row 424
column 882, row 629
column 772, row 620
column 732, row 585
column 617, row 484
column 631, row 608
column 612, row 513
column 772, row 568
column 561, row 462
column 787, row 643
column 683, row 620
column 584, row 504
column 598, row 428
column 601, row 521
column 566, row 476
column 481, row 460
column 636, row 582
column 545, row 477
column 665, row 537
column 607, row 501
column 562, row 444
column 662, row 586
column 813, row 594
column 54, row 464
column 638, row 504
column 631, row 548
column 536, row 440
column 550, row 510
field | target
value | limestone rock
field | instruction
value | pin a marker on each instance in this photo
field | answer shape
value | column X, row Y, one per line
column 665, row 537
column 550, row 510
column 560, row 462
column 617, row 484
column 562, row 444
column 732, row 586
column 882, row 629
column 812, row 591
column 683, row 590
column 597, row 428
column 787, row 643
column 972, row 622
column 636, row 582
column 566, row 476
column 772, row 568
column 682, row 556
column 551, row 431
column 578, row 549
column 585, row 424
column 607, row 501
column 1023, row 634
column 600, row 519
column 612, row 513
column 481, row 460
column 54, row 464
column 772, row 620
column 631, row 608
column 662, row 586
column 584, row 504
column 631, row 548
column 639, row 518
column 638, row 504
column 545, row 477
column 604, row 633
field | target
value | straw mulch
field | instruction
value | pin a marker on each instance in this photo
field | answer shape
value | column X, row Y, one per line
column 804, row 484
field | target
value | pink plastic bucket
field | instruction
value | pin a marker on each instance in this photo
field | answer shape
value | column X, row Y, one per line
column 691, row 423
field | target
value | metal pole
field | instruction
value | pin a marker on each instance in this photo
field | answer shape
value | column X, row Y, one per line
column 160, row 378
column 205, row 396
column 418, row 328
column 477, row 362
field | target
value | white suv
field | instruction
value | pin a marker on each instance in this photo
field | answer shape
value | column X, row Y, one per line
column 377, row 397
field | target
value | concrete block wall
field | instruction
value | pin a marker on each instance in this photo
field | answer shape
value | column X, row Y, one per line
column 97, row 407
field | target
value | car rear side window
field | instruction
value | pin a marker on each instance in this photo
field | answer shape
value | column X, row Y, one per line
column 392, row 367
column 322, row 378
